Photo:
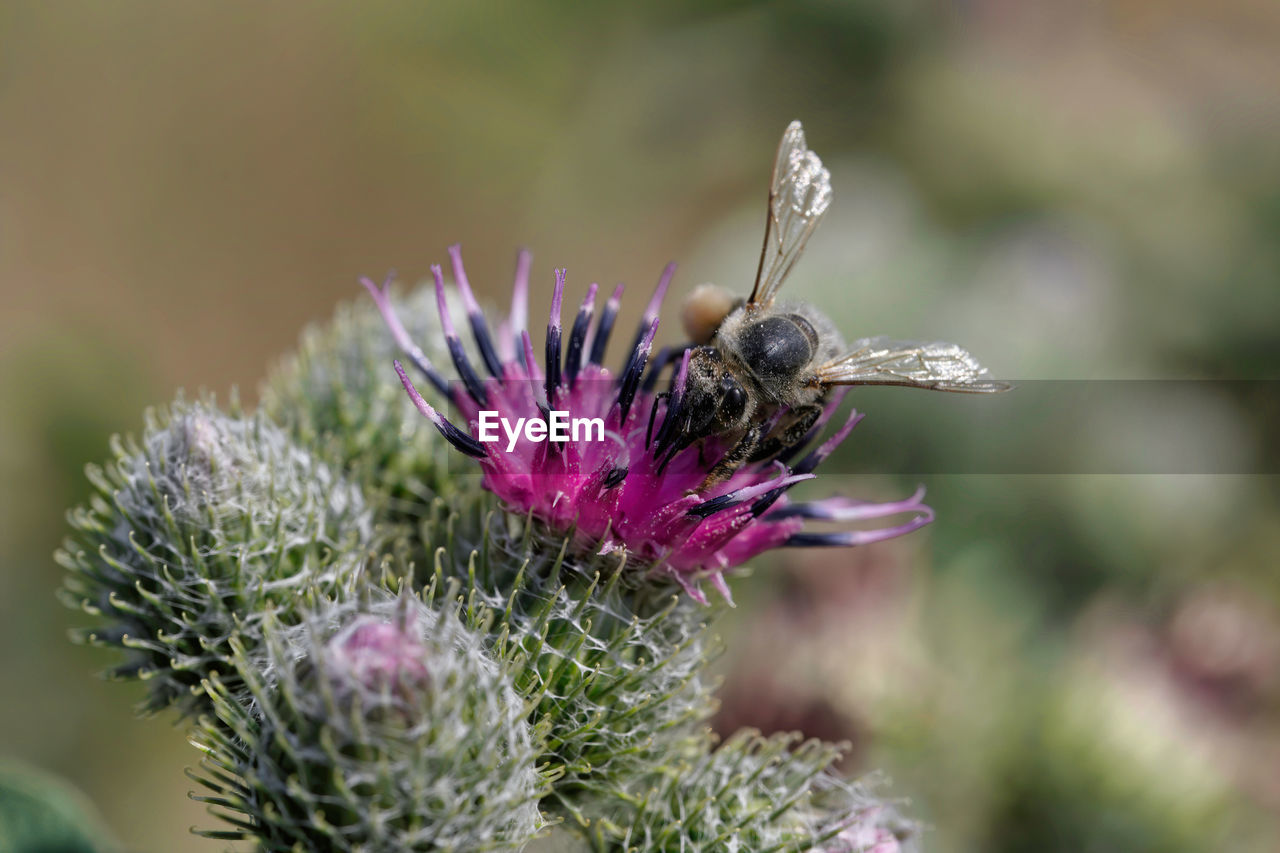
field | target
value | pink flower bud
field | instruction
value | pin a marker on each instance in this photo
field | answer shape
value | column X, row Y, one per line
column 372, row 655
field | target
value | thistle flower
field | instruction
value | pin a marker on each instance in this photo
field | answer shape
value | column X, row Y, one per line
column 193, row 531
column 378, row 726
column 629, row 492
column 753, row 793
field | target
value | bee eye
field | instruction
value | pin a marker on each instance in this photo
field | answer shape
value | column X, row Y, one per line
column 733, row 400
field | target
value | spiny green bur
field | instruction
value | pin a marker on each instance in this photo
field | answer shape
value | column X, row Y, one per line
column 194, row 531
column 318, row 753
column 381, row 658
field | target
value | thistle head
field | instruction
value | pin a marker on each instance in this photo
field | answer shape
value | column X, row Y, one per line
column 197, row 527
column 410, row 735
column 684, row 511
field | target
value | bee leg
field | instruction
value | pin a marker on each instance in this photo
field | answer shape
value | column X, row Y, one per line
column 737, row 456
column 702, row 453
column 675, row 447
column 653, row 413
column 791, row 437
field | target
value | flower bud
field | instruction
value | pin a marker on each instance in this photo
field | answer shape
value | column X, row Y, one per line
column 373, row 656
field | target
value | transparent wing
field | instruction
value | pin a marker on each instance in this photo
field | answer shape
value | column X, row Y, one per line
column 799, row 193
column 936, row 366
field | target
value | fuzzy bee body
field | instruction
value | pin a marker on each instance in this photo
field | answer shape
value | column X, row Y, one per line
column 779, row 350
column 761, row 371
column 759, row 364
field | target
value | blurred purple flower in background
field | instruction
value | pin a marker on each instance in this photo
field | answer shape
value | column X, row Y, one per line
column 632, row 488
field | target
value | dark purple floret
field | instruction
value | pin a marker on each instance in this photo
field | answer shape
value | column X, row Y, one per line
column 479, row 328
column 578, row 335
column 605, row 327
column 456, row 351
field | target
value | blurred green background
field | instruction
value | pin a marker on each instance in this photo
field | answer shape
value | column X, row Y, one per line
column 1075, row 191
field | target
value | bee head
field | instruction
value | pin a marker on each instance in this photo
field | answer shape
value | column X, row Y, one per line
column 714, row 400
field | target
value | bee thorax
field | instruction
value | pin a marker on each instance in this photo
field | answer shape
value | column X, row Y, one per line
column 778, row 345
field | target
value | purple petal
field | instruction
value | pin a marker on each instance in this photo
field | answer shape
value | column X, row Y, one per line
column 655, row 304
column 722, row 587
column 457, row 352
column 824, row 450
column 519, row 320
column 578, row 335
column 635, row 369
column 654, row 307
column 849, row 538
column 740, row 496
column 455, row 436
column 382, row 299
column 479, row 328
column 553, row 338
column 691, row 588
column 848, row 509
column 669, row 432
column 605, row 326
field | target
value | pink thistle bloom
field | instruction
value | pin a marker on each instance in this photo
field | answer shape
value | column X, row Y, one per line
column 634, row 489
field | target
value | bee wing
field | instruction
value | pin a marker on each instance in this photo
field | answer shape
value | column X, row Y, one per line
column 799, row 193
column 936, row 366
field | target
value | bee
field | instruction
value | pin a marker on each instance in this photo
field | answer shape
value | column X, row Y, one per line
column 763, row 369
